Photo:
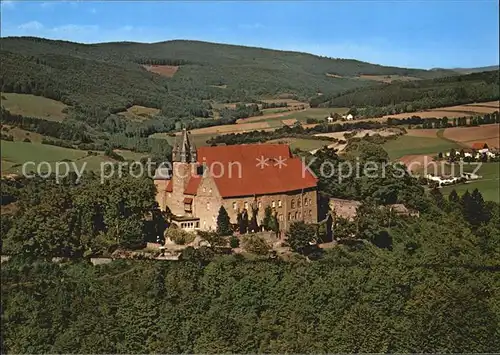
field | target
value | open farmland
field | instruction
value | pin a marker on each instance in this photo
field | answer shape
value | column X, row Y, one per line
column 487, row 185
column 34, row 106
column 426, row 132
column 452, row 111
column 299, row 115
column 490, row 134
column 411, row 145
column 14, row 154
column 163, row 70
column 20, row 134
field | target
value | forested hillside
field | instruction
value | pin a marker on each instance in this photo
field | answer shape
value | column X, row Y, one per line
column 393, row 283
column 417, row 95
column 109, row 75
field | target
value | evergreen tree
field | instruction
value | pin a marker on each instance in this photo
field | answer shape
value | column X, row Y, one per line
column 438, row 198
column 453, row 197
column 243, row 222
column 223, row 223
column 254, row 226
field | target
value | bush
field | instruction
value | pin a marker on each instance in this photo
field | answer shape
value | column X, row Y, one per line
column 255, row 244
column 179, row 236
column 7, row 137
column 234, row 242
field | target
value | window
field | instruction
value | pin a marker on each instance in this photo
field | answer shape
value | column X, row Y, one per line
column 235, row 206
column 197, row 225
column 204, row 189
column 298, row 203
column 260, row 205
column 310, row 213
column 208, row 206
column 279, row 203
column 305, row 202
column 300, row 215
column 292, row 203
column 295, row 216
column 246, row 205
column 289, row 216
column 210, row 190
column 280, row 217
column 310, row 202
column 273, row 204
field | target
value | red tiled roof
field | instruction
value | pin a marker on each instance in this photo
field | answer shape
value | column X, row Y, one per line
column 192, row 186
column 169, row 187
column 237, row 172
column 188, row 200
column 479, row 145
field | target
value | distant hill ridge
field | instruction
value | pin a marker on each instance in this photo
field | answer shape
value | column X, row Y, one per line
column 105, row 78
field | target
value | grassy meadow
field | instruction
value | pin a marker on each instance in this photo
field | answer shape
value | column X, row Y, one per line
column 409, row 145
column 34, row 106
column 14, row 154
column 488, row 184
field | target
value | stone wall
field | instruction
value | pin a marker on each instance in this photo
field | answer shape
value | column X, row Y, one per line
column 206, row 204
column 286, row 210
column 161, row 193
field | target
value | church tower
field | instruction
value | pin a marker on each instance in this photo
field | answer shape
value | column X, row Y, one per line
column 184, row 158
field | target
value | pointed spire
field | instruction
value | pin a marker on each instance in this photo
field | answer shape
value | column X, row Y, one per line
column 185, row 151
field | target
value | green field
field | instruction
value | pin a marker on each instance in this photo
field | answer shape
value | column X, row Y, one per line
column 488, row 184
column 14, row 154
column 302, row 116
column 34, row 106
column 410, row 145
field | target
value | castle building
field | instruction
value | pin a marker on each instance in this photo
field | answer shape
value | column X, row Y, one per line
column 242, row 178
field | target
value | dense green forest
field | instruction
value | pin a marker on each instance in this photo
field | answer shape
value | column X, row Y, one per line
column 394, row 283
column 411, row 96
column 108, row 76
column 97, row 81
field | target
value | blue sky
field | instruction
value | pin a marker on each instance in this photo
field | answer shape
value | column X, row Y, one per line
column 423, row 34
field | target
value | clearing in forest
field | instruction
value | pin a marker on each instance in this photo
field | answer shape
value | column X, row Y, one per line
column 139, row 113
column 163, row 70
column 34, row 106
column 387, row 78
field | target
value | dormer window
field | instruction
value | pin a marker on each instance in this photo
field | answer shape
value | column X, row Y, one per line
column 188, row 204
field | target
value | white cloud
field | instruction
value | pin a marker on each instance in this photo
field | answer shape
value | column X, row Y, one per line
column 72, row 29
column 31, row 26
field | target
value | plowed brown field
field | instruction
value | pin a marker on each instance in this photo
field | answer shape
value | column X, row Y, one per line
column 489, row 134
